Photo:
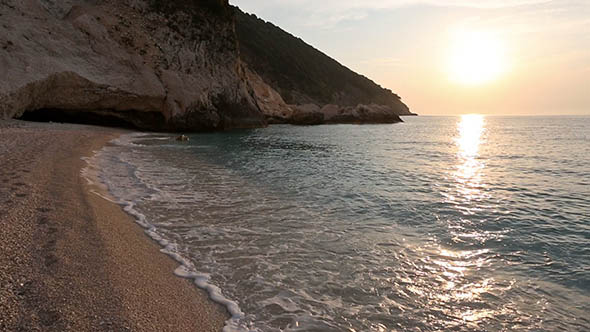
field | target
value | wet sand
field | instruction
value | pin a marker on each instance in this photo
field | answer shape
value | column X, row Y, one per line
column 72, row 261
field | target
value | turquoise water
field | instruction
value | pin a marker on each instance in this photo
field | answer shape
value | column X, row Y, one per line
column 438, row 224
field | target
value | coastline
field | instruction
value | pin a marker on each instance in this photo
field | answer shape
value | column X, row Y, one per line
column 73, row 261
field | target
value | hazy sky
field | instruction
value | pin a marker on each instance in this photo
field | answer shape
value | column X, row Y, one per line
column 454, row 56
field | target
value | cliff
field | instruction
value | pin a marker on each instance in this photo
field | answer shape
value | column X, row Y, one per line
column 156, row 65
column 303, row 75
column 171, row 65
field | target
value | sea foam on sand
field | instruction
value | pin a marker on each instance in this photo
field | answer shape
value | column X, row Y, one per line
column 186, row 269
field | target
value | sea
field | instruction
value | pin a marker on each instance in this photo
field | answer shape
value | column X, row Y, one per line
column 469, row 223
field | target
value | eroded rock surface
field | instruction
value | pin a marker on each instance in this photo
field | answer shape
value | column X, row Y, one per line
column 167, row 65
column 277, row 111
column 360, row 114
column 270, row 101
column 156, row 68
column 302, row 74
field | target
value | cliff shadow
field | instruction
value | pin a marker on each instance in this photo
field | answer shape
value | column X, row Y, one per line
column 103, row 118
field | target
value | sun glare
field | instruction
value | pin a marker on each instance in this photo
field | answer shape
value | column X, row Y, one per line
column 470, row 129
column 476, row 58
column 468, row 175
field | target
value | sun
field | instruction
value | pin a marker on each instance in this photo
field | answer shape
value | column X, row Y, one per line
column 475, row 58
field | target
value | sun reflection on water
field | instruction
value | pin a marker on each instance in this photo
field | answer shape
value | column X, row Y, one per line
column 453, row 286
column 458, row 286
column 471, row 129
column 468, row 173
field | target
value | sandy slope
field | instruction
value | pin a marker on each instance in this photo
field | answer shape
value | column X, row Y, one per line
column 72, row 261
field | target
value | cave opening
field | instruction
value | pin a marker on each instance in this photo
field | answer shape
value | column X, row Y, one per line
column 96, row 118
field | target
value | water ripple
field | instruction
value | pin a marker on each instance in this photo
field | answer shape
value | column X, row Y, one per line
column 454, row 224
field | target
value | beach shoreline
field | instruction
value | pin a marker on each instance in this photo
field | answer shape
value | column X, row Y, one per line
column 72, row 260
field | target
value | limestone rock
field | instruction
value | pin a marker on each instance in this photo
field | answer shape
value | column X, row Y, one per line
column 158, row 65
column 309, row 114
column 174, row 70
column 360, row 114
column 303, row 74
column 270, row 101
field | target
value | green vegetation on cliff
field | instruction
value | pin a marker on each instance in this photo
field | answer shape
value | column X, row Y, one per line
column 303, row 74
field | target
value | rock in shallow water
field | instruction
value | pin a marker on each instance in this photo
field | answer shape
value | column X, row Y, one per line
column 182, row 138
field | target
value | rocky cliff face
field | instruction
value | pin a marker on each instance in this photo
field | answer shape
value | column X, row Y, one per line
column 166, row 65
column 159, row 65
column 303, row 75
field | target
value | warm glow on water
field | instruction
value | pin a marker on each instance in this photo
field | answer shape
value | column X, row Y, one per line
column 467, row 176
column 456, row 266
column 470, row 130
column 440, row 224
column 476, row 58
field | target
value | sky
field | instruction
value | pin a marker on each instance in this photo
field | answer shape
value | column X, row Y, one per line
column 443, row 57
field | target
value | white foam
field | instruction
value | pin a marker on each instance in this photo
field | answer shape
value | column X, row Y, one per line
column 186, row 269
column 129, row 140
column 91, row 174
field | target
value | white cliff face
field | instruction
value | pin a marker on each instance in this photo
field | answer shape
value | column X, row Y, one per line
column 270, row 101
column 175, row 66
column 278, row 112
column 174, row 71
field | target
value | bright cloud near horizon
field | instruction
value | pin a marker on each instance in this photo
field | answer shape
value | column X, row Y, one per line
column 516, row 57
